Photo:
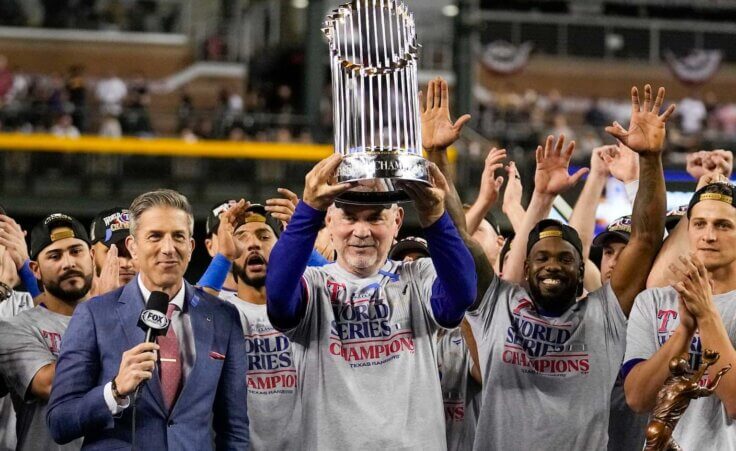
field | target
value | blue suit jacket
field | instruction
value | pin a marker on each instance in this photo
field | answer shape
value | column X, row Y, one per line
column 212, row 398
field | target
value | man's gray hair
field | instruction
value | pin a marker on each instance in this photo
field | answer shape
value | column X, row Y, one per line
column 159, row 198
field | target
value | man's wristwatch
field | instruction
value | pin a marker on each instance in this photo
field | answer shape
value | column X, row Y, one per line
column 115, row 393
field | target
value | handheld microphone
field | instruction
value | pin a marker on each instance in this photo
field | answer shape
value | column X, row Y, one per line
column 153, row 320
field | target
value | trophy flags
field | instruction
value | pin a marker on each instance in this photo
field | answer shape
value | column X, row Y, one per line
column 373, row 59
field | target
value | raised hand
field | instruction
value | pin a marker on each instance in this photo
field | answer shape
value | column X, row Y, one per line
column 622, row 162
column 514, row 190
column 429, row 201
column 109, row 278
column 283, row 208
column 227, row 245
column 646, row 127
column 722, row 161
column 551, row 176
column 14, row 240
column 438, row 130
column 320, row 184
column 718, row 161
column 711, row 177
column 489, row 184
column 8, row 273
column 695, row 164
column 598, row 164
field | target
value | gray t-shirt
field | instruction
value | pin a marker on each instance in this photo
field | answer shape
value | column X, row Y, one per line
column 626, row 428
column 10, row 307
column 272, row 380
column 460, row 392
column 548, row 380
column 705, row 424
column 365, row 359
column 28, row 342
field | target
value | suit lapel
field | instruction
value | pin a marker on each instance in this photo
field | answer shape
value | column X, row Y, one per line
column 129, row 307
column 200, row 316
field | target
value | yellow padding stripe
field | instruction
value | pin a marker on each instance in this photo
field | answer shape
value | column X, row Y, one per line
column 61, row 234
column 170, row 147
column 716, row 196
column 550, row 233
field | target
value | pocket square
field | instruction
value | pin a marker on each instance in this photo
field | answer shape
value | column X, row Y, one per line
column 216, row 355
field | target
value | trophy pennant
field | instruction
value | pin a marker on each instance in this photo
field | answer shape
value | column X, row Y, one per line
column 373, row 60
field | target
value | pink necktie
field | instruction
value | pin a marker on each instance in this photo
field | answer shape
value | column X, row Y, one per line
column 170, row 368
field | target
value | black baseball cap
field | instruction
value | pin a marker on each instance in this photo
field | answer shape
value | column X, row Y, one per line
column 723, row 192
column 42, row 234
column 213, row 218
column 408, row 245
column 619, row 229
column 258, row 213
column 110, row 226
column 542, row 230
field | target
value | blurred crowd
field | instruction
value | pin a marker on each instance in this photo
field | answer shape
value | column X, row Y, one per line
column 72, row 103
column 110, row 15
column 523, row 118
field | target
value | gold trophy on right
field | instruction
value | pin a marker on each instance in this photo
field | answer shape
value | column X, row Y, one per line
column 675, row 395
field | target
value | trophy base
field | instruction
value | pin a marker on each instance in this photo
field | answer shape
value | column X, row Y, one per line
column 375, row 174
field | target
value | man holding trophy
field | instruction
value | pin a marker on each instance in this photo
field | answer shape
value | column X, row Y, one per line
column 362, row 328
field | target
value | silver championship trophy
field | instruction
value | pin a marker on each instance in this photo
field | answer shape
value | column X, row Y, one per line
column 373, row 58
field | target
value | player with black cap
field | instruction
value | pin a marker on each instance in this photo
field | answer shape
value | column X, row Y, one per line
column 108, row 232
column 409, row 249
column 613, row 240
column 30, row 341
column 548, row 359
column 696, row 312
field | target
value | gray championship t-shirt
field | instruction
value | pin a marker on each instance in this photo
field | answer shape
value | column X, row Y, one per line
column 28, row 342
column 365, row 356
column 272, row 381
column 16, row 303
column 705, row 424
column 460, row 392
column 548, row 380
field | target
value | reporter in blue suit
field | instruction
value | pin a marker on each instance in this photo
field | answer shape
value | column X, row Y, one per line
column 194, row 378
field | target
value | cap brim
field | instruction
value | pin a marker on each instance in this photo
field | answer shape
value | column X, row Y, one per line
column 404, row 247
column 604, row 237
column 116, row 238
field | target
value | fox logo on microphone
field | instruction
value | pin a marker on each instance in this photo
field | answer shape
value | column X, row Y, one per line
column 154, row 320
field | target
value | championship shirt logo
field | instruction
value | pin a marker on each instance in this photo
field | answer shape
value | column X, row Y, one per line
column 53, row 340
column 362, row 332
column 540, row 347
column 454, row 405
column 270, row 364
column 668, row 320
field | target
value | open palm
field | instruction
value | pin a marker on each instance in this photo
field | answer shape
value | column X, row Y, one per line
column 646, row 127
column 551, row 176
column 438, row 130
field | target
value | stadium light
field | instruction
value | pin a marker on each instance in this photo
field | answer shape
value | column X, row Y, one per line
column 299, row 4
column 450, row 10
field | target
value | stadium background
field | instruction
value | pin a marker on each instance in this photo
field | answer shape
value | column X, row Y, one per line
column 230, row 98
